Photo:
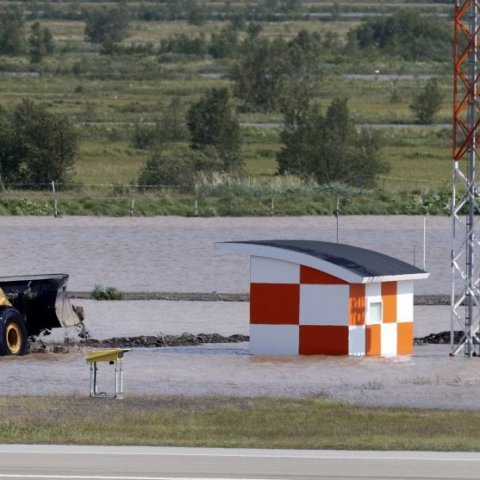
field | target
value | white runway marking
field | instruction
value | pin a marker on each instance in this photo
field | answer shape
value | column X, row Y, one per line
column 365, row 455
column 98, row 477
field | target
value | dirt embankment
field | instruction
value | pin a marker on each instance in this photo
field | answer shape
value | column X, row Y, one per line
column 39, row 345
column 146, row 341
column 440, row 338
column 439, row 299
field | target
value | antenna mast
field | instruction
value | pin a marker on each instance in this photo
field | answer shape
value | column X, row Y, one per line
column 465, row 301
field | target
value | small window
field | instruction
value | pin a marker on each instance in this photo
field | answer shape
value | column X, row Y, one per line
column 375, row 312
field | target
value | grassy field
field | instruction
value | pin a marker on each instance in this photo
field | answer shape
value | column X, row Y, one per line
column 234, row 422
column 107, row 94
column 419, row 158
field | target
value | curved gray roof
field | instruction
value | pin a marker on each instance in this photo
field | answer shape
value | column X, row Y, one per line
column 348, row 262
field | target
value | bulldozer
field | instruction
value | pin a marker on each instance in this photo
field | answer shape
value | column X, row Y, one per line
column 31, row 304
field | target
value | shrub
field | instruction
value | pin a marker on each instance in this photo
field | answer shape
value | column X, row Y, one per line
column 106, row 293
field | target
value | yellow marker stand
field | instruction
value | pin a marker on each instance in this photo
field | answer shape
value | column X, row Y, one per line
column 112, row 356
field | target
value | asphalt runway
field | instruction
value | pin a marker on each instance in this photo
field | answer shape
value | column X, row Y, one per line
column 152, row 463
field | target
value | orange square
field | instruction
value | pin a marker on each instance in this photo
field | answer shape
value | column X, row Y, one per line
column 389, row 297
column 274, row 303
column 372, row 340
column 405, row 338
column 309, row 275
column 323, row 340
column 357, row 304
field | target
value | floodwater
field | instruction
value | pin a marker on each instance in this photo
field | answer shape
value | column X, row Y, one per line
column 429, row 378
column 178, row 254
column 160, row 317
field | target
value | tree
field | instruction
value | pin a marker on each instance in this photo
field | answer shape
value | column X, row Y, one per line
column 171, row 122
column 260, row 74
column 329, row 148
column 406, row 34
column 40, row 42
column 427, row 102
column 254, row 29
column 223, row 44
column 106, row 27
column 268, row 69
column 36, row 146
column 12, row 32
column 169, row 127
column 213, row 123
column 196, row 14
column 292, row 6
column 12, row 151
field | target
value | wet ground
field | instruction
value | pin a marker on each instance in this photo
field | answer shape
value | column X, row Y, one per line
column 159, row 317
column 429, row 378
column 177, row 254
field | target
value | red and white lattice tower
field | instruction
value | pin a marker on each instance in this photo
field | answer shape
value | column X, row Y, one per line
column 465, row 302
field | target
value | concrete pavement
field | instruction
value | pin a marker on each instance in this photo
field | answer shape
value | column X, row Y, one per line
column 152, row 463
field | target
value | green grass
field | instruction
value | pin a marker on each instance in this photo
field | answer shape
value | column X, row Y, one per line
column 228, row 196
column 104, row 162
column 135, row 88
column 313, row 423
column 419, row 158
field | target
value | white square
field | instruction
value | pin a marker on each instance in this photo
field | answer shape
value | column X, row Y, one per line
column 324, row 304
column 274, row 339
column 356, row 340
column 388, row 338
column 405, row 302
column 268, row 270
column 373, row 291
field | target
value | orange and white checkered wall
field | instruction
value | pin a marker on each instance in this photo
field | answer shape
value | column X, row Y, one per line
column 295, row 309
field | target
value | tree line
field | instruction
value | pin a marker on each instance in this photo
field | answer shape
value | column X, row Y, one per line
column 193, row 11
column 405, row 34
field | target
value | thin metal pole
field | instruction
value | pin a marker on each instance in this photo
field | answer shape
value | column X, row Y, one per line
column 453, row 312
column 55, row 202
column 424, row 243
column 337, row 213
column 472, row 118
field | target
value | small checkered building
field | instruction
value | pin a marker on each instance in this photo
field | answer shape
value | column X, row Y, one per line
column 314, row 298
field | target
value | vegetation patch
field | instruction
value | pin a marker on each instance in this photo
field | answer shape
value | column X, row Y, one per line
column 159, row 94
column 234, row 196
column 314, row 423
column 106, row 293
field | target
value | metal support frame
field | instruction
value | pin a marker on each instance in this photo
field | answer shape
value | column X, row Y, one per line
column 118, row 381
column 113, row 356
column 465, row 299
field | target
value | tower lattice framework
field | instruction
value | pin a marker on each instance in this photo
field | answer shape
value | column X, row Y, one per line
column 465, row 301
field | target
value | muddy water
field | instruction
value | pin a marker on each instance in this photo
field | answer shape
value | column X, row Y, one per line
column 156, row 317
column 430, row 378
column 177, row 254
